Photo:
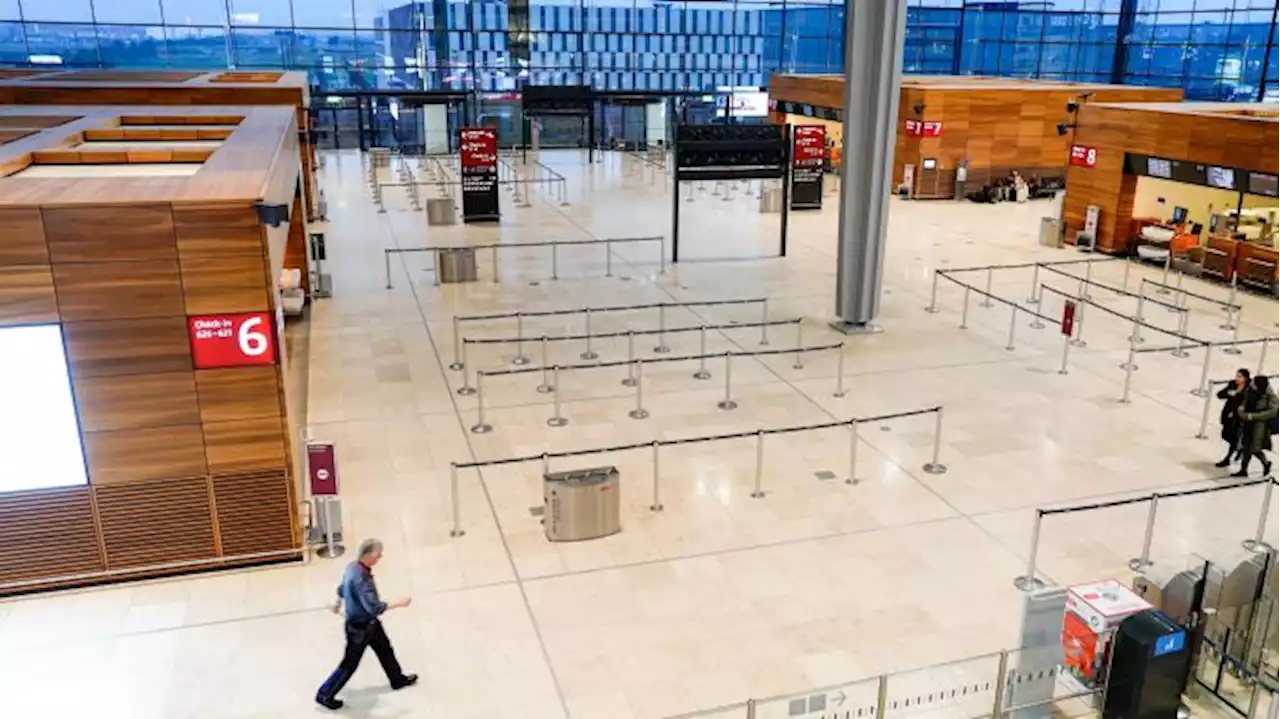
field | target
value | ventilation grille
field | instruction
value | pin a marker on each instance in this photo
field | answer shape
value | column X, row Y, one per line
column 156, row 523
column 47, row 533
column 254, row 512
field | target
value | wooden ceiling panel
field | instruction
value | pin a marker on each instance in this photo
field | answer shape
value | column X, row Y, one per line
column 239, row 393
column 137, row 401
column 22, row 237
column 213, row 231
column 47, row 533
column 156, row 522
column 128, row 347
column 253, row 512
column 245, row 445
column 225, row 284
column 138, row 455
column 110, row 233
column 27, row 296
column 123, row 290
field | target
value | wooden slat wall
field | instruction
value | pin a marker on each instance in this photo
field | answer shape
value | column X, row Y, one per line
column 163, row 441
column 1213, row 139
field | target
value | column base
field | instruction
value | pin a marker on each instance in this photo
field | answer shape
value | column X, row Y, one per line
column 855, row 328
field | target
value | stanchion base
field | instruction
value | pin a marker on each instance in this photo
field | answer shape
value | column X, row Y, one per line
column 1138, row 340
column 638, row 414
column 757, row 495
column 1202, row 435
column 1037, row 324
column 1138, row 564
column 702, row 374
column 324, row 551
column 1231, row 351
column 481, row 429
column 545, row 389
column 520, row 360
column 1027, row 584
column 932, row 310
column 662, row 349
column 1128, row 366
column 1079, row 343
column 1254, row 545
column 589, row 355
column 1162, row 290
column 1227, row 327
column 628, row 382
column 1032, row 300
column 466, row 391
column 986, row 303
column 764, row 343
column 457, row 533
column 727, row 404
column 855, row 328
column 852, row 481
column 1180, row 353
column 841, row 393
column 797, row 366
column 1200, row 392
column 935, row 468
column 455, row 366
column 656, row 508
column 557, row 421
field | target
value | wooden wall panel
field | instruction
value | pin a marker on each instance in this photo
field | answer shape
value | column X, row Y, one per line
column 153, row 523
column 144, row 454
column 47, row 533
column 22, row 237
column 216, row 230
column 127, row 347
column 254, row 512
column 137, row 401
column 245, row 445
column 110, row 233
column 127, row 290
column 228, row 284
column 239, row 393
column 27, row 295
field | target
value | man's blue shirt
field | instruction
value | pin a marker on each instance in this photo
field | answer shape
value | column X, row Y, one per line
column 360, row 594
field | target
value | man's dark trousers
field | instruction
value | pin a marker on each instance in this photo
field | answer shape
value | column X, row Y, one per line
column 359, row 636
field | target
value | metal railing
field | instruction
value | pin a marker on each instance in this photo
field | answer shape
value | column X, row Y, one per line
column 459, row 361
column 635, row 378
column 934, row 466
column 589, row 352
column 542, row 176
column 608, row 244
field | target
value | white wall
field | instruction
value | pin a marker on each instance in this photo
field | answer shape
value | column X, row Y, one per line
column 655, row 122
column 1197, row 199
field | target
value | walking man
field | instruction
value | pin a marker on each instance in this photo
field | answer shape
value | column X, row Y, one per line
column 363, row 627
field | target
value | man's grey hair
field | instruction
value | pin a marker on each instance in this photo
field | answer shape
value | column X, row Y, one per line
column 369, row 546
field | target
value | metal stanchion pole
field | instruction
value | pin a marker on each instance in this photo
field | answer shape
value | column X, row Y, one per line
column 1088, row 279
column 758, row 492
column 608, row 260
column 727, row 402
column 1164, row 276
column 702, row 372
column 882, row 696
column 964, row 314
column 435, row 265
column 1256, row 543
column 1124, row 282
column 555, row 261
column 1180, row 350
column 453, row 501
column 1081, row 306
column 1137, row 318
column 1013, row 325
column 1204, row 417
column 466, row 390
column 480, row 427
column 853, row 452
column 639, row 412
column 662, row 347
column 662, row 256
column 630, row 379
column 1180, row 298
column 386, row 260
column 545, row 387
column 1066, row 350
column 657, row 496
column 588, row 354
column 986, row 299
column 1028, row 581
column 1203, row 388
column 764, row 321
column 457, row 345
column 1034, row 299
column 799, row 344
column 520, row 358
column 1142, row 561
column 1128, row 367
column 839, row 372
column 1232, row 320
column 936, row 466
column 497, row 272
column 557, row 419
column 1233, row 349
column 1002, row 678
column 933, row 295
column 1262, row 359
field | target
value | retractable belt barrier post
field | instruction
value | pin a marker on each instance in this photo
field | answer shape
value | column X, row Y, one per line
column 494, row 247
column 655, row 446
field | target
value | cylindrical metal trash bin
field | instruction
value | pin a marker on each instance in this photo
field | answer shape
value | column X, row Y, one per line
column 440, row 211
column 456, row 265
column 771, row 200
column 581, row 504
column 1050, row 232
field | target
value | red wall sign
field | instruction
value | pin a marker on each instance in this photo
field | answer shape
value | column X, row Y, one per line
column 232, row 340
column 1068, row 317
column 930, row 128
column 914, row 128
column 1084, row 156
column 322, row 469
column 479, row 147
column 810, row 144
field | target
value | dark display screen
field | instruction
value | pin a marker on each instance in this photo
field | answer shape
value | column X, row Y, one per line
column 1261, row 184
column 1223, row 177
column 1159, row 167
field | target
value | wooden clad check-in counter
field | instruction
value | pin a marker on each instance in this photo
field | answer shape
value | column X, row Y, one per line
column 139, row 235
column 1226, row 151
column 994, row 125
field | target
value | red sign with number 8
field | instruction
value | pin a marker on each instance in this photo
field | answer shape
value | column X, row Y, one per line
column 232, row 340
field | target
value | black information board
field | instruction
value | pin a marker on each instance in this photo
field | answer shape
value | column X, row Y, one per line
column 478, row 150
column 808, row 154
column 1195, row 173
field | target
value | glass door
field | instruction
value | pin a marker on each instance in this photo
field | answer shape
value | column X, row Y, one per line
column 336, row 120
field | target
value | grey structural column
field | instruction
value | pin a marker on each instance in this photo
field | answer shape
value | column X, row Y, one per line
column 873, row 33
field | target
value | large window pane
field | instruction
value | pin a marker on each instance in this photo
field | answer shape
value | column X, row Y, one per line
column 197, row 47
column 194, row 12
column 324, row 13
column 132, row 46
column 126, row 12
column 58, row 11
column 262, row 47
column 9, row 10
column 261, row 13
column 66, row 43
column 13, row 43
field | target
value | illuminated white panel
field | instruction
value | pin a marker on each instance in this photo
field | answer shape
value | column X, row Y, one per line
column 39, row 435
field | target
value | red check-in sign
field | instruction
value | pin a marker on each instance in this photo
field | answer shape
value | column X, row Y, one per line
column 1082, row 156
column 232, row 340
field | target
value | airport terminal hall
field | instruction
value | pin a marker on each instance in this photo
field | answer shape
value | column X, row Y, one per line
column 639, row 359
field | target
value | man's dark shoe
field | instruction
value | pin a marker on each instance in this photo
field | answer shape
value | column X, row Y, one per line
column 1266, row 469
column 1240, row 473
column 329, row 702
column 1224, row 463
column 407, row 680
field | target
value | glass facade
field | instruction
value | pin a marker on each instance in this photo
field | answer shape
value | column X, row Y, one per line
column 1215, row 49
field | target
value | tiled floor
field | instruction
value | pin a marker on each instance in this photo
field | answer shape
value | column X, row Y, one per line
column 721, row 596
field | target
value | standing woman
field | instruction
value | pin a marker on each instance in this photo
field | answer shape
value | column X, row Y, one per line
column 1234, row 395
column 1260, row 410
